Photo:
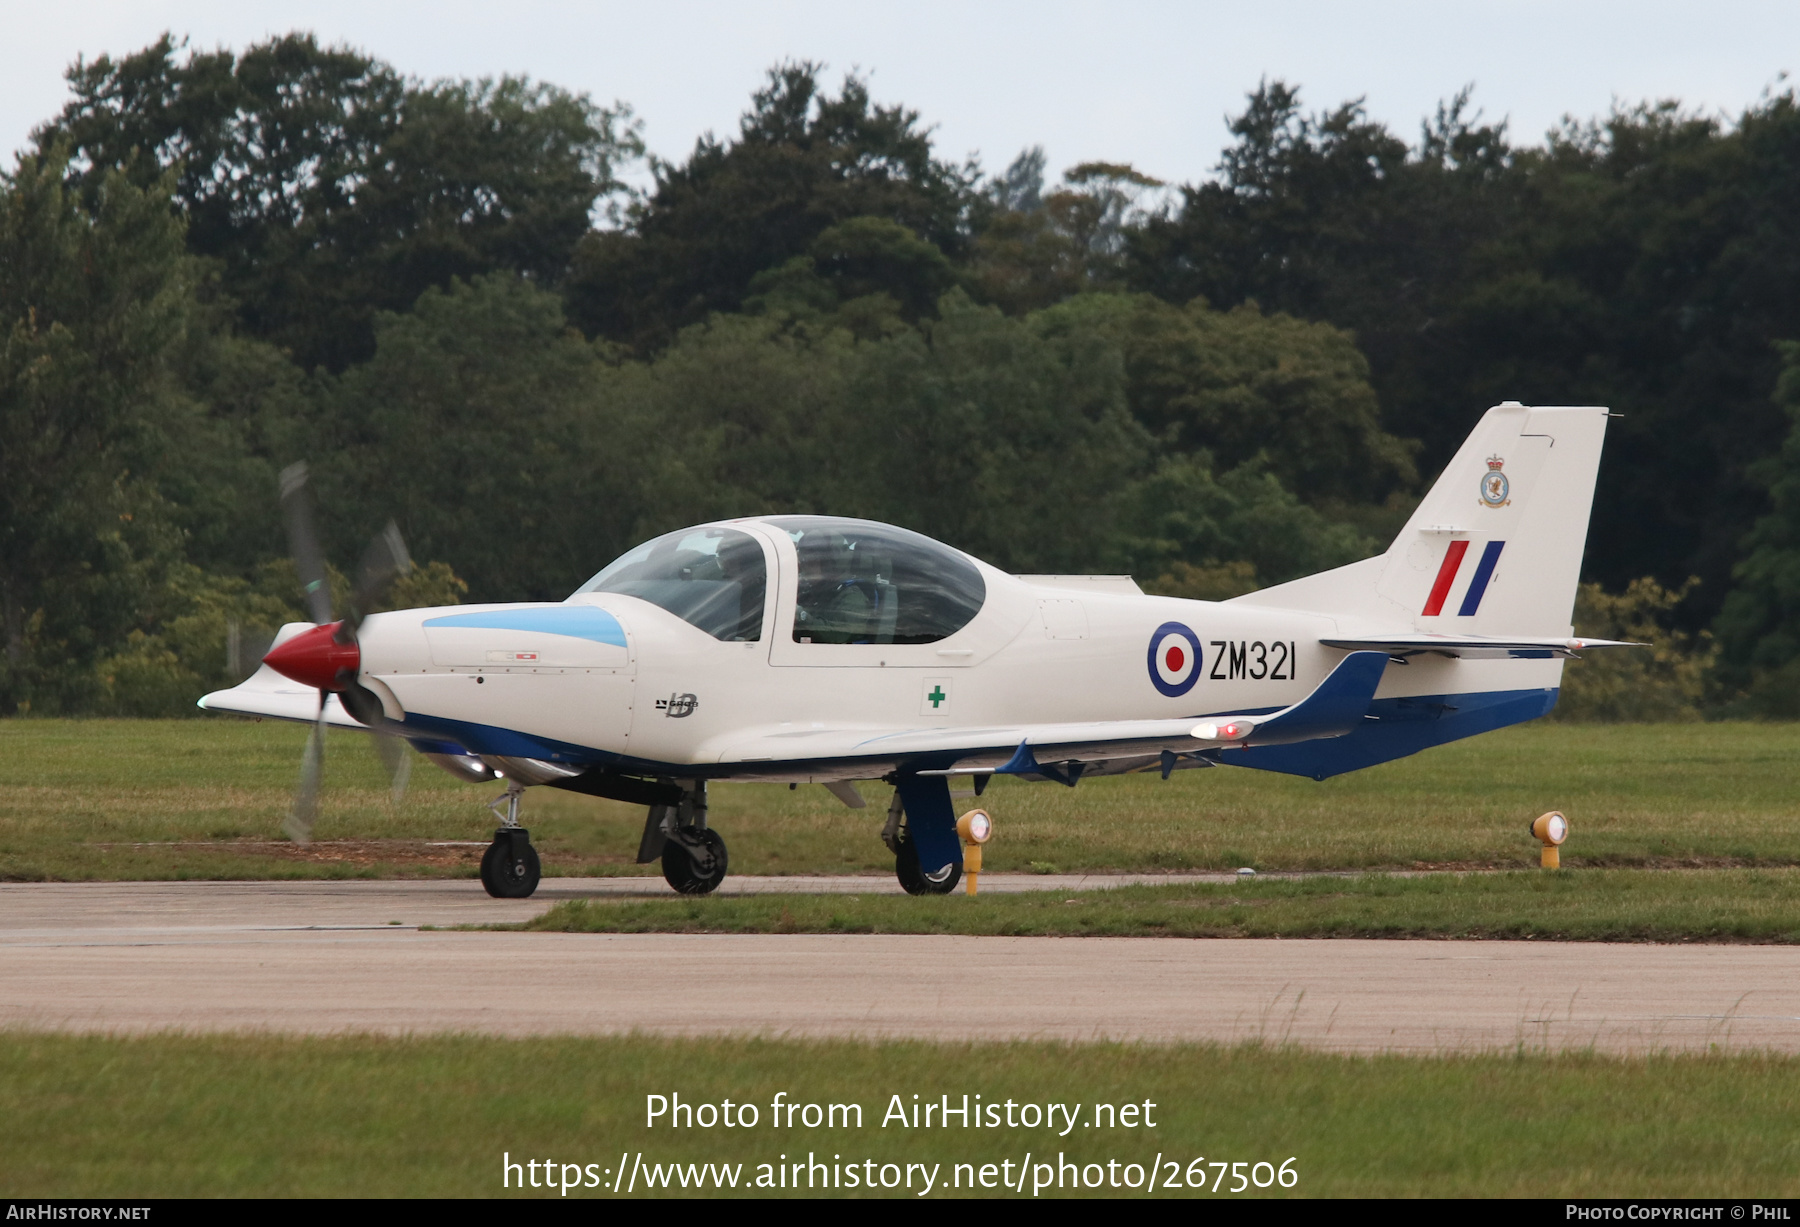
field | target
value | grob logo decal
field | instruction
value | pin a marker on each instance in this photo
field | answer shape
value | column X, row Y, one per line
column 678, row 706
column 1174, row 659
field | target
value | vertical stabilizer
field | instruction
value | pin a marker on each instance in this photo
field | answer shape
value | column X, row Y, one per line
column 1494, row 548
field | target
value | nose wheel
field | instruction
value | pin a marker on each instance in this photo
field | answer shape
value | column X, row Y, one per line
column 510, row 867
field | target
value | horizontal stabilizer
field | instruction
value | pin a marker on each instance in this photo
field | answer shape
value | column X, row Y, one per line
column 1478, row 647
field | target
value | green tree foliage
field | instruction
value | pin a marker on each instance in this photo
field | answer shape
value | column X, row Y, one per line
column 331, row 188
column 1664, row 680
column 215, row 264
column 804, row 161
column 95, row 303
column 531, row 456
column 1244, row 385
column 1035, row 247
column 1759, row 628
column 1213, row 536
column 978, row 428
column 211, row 631
column 1645, row 261
column 479, row 427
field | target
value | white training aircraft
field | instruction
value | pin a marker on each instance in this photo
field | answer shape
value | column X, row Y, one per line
column 812, row 649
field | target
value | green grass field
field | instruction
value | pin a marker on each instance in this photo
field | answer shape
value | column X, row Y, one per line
column 431, row 1116
column 249, row 1116
column 205, row 799
column 1603, row 905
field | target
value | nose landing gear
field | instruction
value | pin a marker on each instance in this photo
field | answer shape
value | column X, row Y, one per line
column 510, row 868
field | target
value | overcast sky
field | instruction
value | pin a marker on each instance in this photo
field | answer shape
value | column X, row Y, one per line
column 1141, row 82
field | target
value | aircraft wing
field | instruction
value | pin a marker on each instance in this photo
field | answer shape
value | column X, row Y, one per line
column 1333, row 709
column 268, row 694
column 1477, row 647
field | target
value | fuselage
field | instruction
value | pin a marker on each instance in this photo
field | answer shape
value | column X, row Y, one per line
column 610, row 678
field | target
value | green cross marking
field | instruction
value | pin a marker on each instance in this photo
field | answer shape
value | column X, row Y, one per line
column 937, row 696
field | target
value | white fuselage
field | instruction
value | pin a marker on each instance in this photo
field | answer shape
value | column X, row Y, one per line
column 669, row 698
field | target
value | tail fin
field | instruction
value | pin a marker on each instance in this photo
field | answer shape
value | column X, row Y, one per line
column 1495, row 547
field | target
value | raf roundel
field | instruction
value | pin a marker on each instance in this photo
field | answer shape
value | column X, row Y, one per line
column 1174, row 659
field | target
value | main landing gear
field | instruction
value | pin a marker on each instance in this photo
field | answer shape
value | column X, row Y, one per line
column 913, row 879
column 694, row 859
column 510, row 867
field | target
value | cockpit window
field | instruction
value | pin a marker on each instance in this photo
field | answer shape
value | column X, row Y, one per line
column 862, row 582
column 712, row 578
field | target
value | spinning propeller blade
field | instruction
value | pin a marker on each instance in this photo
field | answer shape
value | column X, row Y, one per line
column 296, row 509
column 299, row 824
column 384, row 561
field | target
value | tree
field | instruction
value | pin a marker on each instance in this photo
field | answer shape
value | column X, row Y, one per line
column 95, row 302
column 1664, row 680
column 330, row 187
column 804, row 161
column 1240, row 385
column 1034, row 248
column 480, row 427
column 1759, row 626
column 1645, row 261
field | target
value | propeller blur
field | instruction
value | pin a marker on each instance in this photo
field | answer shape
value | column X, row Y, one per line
column 814, row 649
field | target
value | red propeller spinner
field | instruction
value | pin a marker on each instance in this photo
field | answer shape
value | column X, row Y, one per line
column 315, row 658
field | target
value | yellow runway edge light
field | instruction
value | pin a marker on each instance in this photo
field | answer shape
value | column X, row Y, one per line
column 974, row 829
column 1550, row 830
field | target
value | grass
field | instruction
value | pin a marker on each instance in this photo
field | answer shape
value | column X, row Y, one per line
column 259, row 1116
column 1608, row 905
column 98, row 799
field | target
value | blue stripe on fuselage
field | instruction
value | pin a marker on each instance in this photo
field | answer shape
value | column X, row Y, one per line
column 576, row 621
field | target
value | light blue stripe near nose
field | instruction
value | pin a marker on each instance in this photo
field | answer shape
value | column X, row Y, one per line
column 575, row 621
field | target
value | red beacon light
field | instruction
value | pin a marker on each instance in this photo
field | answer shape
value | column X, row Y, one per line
column 1231, row 730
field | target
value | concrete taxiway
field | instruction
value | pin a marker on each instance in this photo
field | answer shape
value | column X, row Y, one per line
column 350, row 956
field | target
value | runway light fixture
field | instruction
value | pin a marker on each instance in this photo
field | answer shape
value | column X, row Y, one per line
column 1550, row 830
column 974, row 829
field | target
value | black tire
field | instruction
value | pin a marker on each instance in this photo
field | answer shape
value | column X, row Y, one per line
column 913, row 880
column 510, row 869
column 681, row 872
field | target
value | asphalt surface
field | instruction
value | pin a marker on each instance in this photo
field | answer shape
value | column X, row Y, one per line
column 329, row 956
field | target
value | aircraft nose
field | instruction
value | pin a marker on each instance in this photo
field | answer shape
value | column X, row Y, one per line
column 315, row 658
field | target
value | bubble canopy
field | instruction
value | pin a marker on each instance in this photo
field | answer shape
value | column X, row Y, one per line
column 859, row 581
column 863, row 582
column 711, row 578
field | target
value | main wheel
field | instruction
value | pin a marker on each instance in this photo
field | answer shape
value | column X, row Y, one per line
column 510, row 868
column 685, row 874
column 914, row 880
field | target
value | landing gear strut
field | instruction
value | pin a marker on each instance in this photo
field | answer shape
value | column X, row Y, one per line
column 510, row 867
column 694, row 859
column 913, row 879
